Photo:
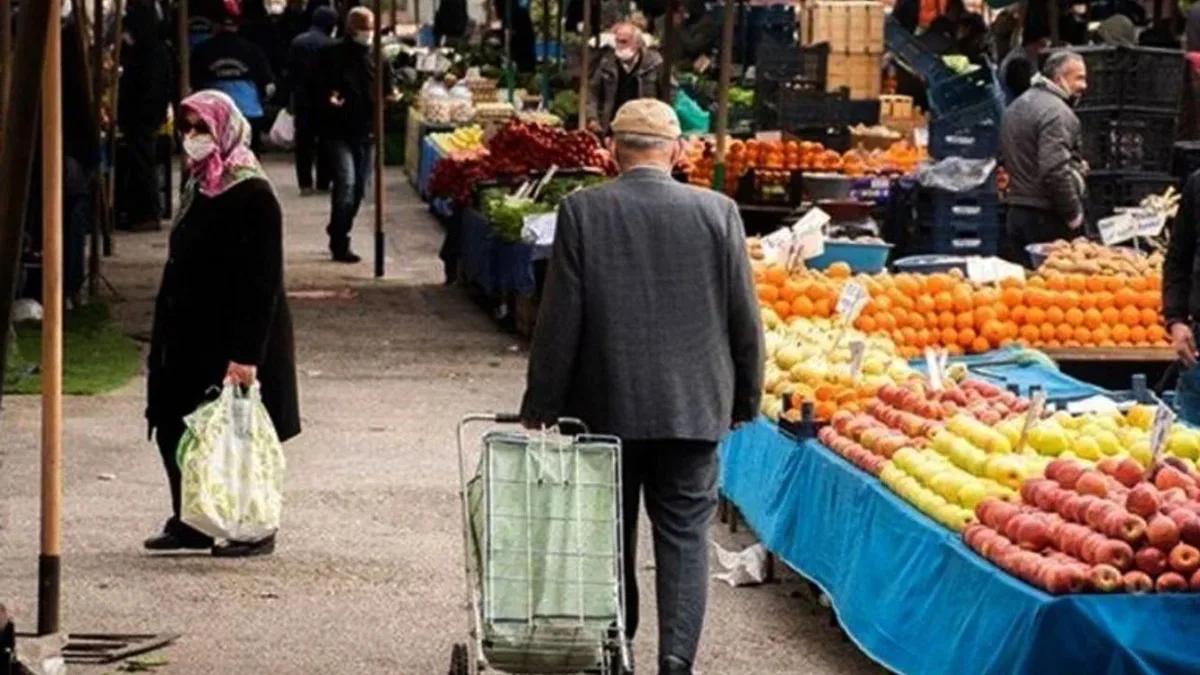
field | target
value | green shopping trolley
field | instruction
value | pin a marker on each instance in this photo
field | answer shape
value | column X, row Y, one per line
column 542, row 547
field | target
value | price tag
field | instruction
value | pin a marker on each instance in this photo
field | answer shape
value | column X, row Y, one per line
column 1150, row 223
column 702, row 63
column 1163, row 417
column 935, row 367
column 1036, row 405
column 539, row 228
column 921, row 137
column 851, row 301
column 992, row 269
column 1116, row 229
column 857, row 349
column 769, row 136
column 810, row 233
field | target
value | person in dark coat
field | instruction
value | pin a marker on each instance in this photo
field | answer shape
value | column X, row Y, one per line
column 221, row 314
column 230, row 63
column 345, row 86
column 303, row 60
column 145, row 94
column 1181, row 298
column 451, row 22
column 522, row 48
column 647, row 274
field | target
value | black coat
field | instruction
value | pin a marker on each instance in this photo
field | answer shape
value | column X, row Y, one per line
column 146, row 65
column 302, row 62
column 1181, row 266
column 222, row 299
column 348, row 68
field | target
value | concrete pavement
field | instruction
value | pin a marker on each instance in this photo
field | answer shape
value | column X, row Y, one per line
column 367, row 577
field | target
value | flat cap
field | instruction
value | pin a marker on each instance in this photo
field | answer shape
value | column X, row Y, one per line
column 647, row 116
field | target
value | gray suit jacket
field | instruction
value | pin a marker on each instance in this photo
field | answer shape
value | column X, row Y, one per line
column 649, row 327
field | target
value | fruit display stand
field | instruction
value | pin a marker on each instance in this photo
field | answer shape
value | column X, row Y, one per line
column 914, row 597
column 415, row 132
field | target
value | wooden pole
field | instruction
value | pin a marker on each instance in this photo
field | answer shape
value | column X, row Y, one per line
column 509, row 67
column 16, row 155
column 585, row 64
column 52, row 319
column 561, row 20
column 379, row 267
column 97, row 108
column 114, row 83
column 723, row 95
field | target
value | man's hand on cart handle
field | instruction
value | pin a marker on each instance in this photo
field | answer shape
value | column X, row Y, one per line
column 1184, row 343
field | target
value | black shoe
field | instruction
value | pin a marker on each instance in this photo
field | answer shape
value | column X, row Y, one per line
column 169, row 541
column 240, row 549
column 346, row 256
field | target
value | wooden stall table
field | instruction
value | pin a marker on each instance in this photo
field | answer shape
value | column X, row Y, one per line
column 1114, row 367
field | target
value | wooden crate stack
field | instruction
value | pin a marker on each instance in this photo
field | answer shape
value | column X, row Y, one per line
column 854, row 31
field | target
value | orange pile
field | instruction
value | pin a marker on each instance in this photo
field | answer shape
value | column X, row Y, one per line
column 945, row 310
column 699, row 159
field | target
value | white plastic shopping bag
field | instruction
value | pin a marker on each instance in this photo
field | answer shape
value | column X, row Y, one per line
column 232, row 465
column 283, row 131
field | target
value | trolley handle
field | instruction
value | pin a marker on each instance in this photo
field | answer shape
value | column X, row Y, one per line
column 562, row 423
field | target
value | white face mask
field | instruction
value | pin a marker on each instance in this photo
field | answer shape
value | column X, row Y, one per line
column 364, row 39
column 626, row 55
column 198, row 147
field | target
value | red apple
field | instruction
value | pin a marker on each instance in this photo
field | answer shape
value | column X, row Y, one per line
column 1097, row 512
column 1072, row 539
column 1106, row 579
column 1030, row 487
column 1129, row 472
column 1032, row 535
column 1115, row 553
column 1189, row 525
column 1075, row 506
column 1054, row 466
column 1184, row 559
column 1069, row 475
column 1173, row 497
column 1092, row 483
column 1108, row 466
column 1195, row 582
column 1171, row 582
column 1091, row 546
column 1125, row 526
column 1151, row 560
column 1168, row 477
column 1062, row 579
column 1144, row 500
column 1162, row 533
column 1137, row 582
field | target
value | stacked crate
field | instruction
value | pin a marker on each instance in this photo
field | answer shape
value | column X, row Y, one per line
column 1127, row 118
column 853, row 29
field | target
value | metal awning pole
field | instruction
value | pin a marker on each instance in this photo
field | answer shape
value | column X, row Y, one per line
column 379, row 266
column 49, row 565
column 585, row 64
column 723, row 95
column 97, row 109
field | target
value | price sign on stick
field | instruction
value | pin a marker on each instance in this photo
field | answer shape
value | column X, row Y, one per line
column 935, row 365
column 857, row 349
column 1163, row 417
column 850, row 303
column 810, row 232
column 1036, row 405
column 1116, row 229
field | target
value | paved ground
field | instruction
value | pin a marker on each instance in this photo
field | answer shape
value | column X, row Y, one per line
column 368, row 576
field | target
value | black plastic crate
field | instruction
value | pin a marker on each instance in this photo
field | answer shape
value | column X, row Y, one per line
column 964, row 243
column 1106, row 190
column 800, row 109
column 860, row 111
column 973, row 133
column 1185, row 160
column 790, row 62
column 974, row 89
column 1133, row 76
column 905, row 46
column 759, row 187
column 1127, row 139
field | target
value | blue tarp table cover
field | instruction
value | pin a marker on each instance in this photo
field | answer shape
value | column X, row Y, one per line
column 495, row 266
column 915, row 598
column 430, row 154
column 1003, row 367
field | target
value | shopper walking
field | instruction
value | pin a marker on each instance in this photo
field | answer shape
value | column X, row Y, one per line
column 345, row 86
column 1040, row 145
column 145, row 94
column 302, row 62
column 647, row 276
column 221, row 312
column 232, row 64
column 630, row 71
column 1181, row 299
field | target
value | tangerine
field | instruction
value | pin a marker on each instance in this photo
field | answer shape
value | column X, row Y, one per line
column 984, row 314
column 925, row 304
column 943, row 301
column 1035, row 316
column 1064, row 332
column 802, row 307
column 981, row 345
column 1077, row 282
column 1149, row 317
column 767, row 293
column 1130, row 316
column 948, row 336
column 1019, row 314
column 1092, row 318
column 1068, row 300
column 1100, row 334
column 965, row 337
column 1120, row 333
column 776, row 274
column 1030, row 333
column 1074, row 316
column 1054, row 315
column 822, row 307
column 783, row 309
column 1137, row 335
column 866, row 324
column 965, row 320
column 1156, row 334
column 1082, row 335
column 1012, row 296
column 946, row 320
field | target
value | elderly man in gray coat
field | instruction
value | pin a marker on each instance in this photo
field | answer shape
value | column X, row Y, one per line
column 649, row 330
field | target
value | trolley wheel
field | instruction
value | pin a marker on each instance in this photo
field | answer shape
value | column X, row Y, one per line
column 460, row 660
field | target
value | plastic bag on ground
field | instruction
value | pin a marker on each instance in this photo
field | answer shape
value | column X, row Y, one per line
column 283, row 131
column 742, row 568
column 232, row 464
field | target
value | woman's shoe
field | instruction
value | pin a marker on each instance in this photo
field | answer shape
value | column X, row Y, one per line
column 170, row 541
column 242, row 549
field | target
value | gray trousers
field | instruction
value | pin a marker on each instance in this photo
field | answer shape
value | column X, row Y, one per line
column 679, row 482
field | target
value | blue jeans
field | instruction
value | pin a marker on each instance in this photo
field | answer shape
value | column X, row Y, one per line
column 350, row 160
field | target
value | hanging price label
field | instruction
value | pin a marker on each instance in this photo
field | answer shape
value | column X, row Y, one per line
column 1036, row 405
column 1163, row 417
column 935, row 366
column 810, row 233
column 1116, row 229
column 857, row 349
column 851, row 301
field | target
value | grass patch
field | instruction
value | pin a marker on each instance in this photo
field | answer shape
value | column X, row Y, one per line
column 97, row 357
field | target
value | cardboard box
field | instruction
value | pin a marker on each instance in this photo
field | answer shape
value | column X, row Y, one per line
column 849, row 26
column 862, row 74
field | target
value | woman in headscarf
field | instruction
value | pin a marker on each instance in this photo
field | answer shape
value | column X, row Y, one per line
column 221, row 315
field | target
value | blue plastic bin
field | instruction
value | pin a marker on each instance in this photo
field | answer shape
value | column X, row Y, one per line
column 862, row 257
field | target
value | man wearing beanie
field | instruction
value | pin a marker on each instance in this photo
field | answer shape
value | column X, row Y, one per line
column 301, row 64
column 649, row 330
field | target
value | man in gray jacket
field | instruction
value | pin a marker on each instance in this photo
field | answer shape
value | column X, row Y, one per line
column 649, row 330
column 1040, row 145
column 630, row 71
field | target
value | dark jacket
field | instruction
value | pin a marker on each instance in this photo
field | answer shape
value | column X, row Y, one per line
column 1181, row 267
column 451, row 20
column 348, row 68
column 650, row 324
column 146, row 71
column 302, row 62
column 602, row 97
column 222, row 299
column 1040, row 145
column 234, row 65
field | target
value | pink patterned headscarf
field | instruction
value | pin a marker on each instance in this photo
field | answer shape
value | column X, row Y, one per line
column 232, row 162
